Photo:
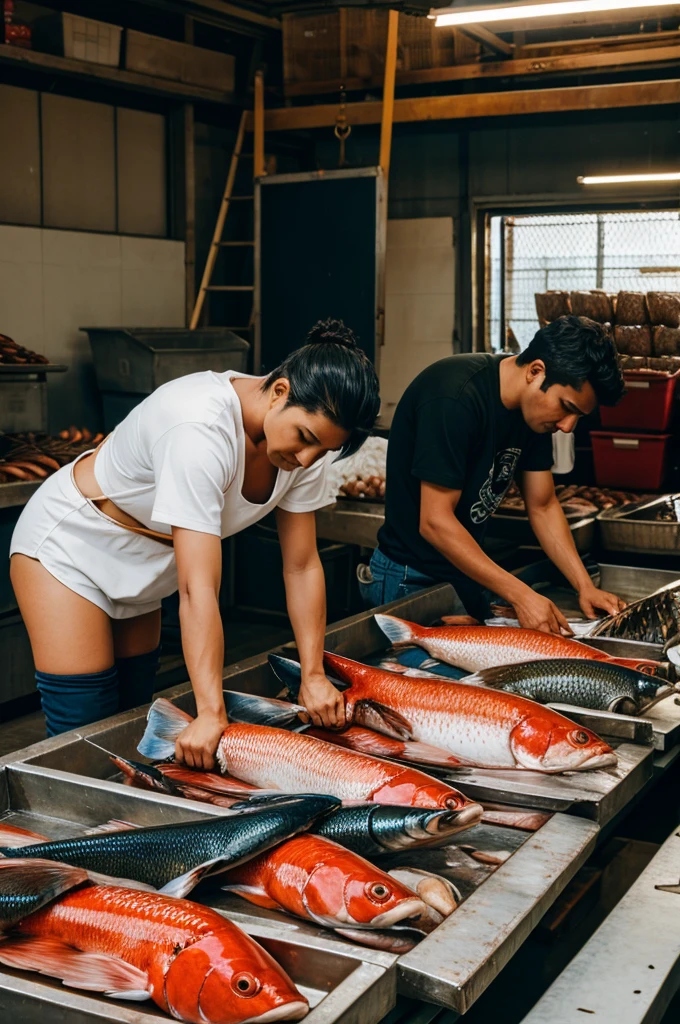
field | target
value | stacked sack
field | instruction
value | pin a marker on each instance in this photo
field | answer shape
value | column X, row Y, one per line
column 646, row 325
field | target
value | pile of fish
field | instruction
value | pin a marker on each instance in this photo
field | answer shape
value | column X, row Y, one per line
column 106, row 911
column 539, row 666
column 654, row 619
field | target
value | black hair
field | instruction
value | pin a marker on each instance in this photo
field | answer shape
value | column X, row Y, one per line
column 332, row 375
column 575, row 349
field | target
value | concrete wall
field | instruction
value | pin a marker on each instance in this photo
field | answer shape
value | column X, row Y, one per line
column 54, row 282
column 419, row 302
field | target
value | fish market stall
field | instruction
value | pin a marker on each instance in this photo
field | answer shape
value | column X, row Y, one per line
column 648, row 527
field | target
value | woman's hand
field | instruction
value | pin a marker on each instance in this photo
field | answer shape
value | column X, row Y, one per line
column 537, row 612
column 196, row 745
column 325, row 704
column 591, row 599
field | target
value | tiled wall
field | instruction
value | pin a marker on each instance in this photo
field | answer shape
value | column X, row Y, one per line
column 53, row 282
column 419, row 302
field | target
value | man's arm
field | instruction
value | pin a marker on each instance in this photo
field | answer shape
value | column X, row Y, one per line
column 552, row 530
column 441, row 528
column 306, row 601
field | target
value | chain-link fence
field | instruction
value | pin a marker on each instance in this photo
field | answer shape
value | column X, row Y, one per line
column 574, row 252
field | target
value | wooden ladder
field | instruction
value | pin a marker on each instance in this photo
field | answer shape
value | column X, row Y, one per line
column 217, row 241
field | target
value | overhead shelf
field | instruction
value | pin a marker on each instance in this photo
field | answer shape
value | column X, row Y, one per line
column 134, row 81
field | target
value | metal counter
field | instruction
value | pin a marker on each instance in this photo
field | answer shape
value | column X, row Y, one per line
column 630, row 969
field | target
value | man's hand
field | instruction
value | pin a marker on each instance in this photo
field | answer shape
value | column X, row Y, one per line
column 536, row 612
column 591, row 599
column 325, row 704
column 196, row 745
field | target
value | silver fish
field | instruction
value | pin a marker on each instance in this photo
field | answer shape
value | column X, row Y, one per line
column 654, row 619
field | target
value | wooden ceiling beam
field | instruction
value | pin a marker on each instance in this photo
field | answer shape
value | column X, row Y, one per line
column 490, row 104
column 482, row 35
column 535, row 65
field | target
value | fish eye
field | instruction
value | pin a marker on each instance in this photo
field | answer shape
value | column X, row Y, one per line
column 245, row 984
column 378, row 891
column 579, row 737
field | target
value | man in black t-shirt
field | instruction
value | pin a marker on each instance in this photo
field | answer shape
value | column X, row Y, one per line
column 464, row 428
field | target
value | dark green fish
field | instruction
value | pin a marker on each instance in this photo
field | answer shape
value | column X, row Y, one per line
column 600, row 685
column 175, row 858
column 373, row 829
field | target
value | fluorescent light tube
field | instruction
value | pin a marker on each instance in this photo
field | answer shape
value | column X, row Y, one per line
column 479, row 15
column 623, row 179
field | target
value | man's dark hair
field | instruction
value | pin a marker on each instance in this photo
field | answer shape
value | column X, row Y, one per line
column 575, row 349
column 332, row 375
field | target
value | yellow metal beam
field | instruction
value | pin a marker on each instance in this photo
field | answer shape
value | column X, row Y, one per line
column 258, row 123
column 388, row 92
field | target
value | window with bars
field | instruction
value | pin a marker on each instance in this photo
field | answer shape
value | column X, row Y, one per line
column 632, row 251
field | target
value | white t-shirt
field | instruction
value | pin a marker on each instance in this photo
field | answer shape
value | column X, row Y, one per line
column 178, row 459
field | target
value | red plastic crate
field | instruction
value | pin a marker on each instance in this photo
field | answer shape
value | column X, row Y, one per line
column 647, row 405
column 630, row 461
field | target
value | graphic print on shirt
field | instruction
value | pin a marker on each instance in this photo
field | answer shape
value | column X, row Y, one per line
column 496, row 484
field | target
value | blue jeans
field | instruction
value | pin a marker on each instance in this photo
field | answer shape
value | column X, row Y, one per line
column 391, row 581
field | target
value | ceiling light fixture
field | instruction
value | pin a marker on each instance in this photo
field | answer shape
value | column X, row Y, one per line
column 624, row 179
column 478, row 15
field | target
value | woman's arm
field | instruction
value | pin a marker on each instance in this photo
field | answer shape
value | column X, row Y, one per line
column 199, row 571
column 306, row 600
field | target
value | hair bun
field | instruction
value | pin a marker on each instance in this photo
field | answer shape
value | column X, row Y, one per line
column 332, row 332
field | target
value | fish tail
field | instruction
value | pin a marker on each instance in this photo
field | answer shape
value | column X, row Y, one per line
column 253, row 710
column 165, row 722
column 399, row 632
column 14, row 838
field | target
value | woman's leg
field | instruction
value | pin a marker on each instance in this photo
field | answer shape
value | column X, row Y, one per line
column 136, row 645
column 72, row 648
column 68, row 633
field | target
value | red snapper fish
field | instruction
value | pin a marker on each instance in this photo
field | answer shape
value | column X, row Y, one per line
column 193, row 963
column 320, row 881
column 292, row 762
column 482, row 727
column 474, row 648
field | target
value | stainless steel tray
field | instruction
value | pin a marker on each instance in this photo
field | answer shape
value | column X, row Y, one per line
column 454, row 966
column 351, row 522
column 343, row 982
column 628, row 529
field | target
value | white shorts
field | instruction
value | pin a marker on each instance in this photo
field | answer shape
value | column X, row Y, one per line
column 125, row 574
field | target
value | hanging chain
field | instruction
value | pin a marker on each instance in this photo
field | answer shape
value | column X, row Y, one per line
column 342, row 129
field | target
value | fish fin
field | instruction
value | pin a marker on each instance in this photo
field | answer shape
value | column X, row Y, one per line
column 253, row 710
column 114, row 825
column 399, row 632
column 669, row 888
column 254, row 894
column 165, row 721
column 95, row 972
column 434, row 890
column 430, row 664
column 374, row 715
column 183, row 884
column 390, row 940
column 43, row 880
column 423, row 753
column 289, row 673
column 14, row 838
